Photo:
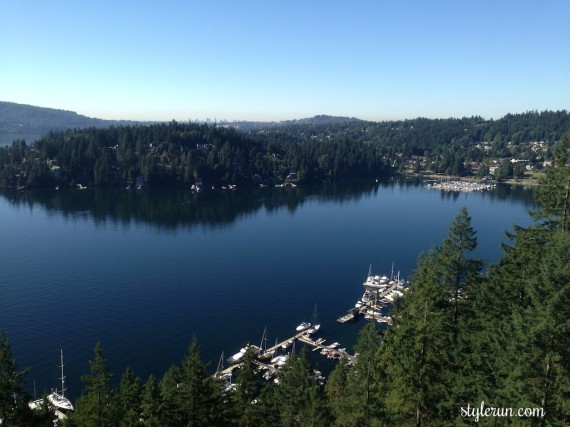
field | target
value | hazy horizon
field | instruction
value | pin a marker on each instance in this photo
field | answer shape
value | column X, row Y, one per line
column 264, row 61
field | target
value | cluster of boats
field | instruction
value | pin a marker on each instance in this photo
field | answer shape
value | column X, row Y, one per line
column 379, row 292
column 262, row 353
column 269, row 359
column 465, row 186
column 333, row 351
column 56, row 400
column 311, row 327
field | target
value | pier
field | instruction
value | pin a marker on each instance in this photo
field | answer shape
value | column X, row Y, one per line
column 330, row 351
column 350, row 315
column 378, row 290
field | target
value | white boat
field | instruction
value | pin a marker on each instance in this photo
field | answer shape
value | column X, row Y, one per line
column 303, row 326
column 61, row 404
column 313, row 329
column 239, row 355
column 287, row 344
column 224, row 376
column 315, row 326
column 58, row 400
column 280, row 360
column 263, row 353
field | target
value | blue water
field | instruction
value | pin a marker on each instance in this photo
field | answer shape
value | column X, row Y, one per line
column 145, row 271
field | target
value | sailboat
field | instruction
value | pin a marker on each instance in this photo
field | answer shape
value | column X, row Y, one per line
column 224, row 376
column 61, row 404
column 58, row 400
column 315, row 326
column 264, row 354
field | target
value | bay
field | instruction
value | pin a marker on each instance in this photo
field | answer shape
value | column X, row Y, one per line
column 145, row 271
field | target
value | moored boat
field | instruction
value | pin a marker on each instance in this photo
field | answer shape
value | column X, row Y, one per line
column 236, row 358
column 315, row 326
column 61, row 404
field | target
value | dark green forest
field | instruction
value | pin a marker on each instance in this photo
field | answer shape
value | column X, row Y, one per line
column 183, row 154
column 464, row 336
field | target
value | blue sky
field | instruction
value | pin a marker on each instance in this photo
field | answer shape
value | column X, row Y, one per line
column 276, row 60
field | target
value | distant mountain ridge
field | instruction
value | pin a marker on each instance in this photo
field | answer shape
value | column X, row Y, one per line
column 321, row 119
column 22, row 121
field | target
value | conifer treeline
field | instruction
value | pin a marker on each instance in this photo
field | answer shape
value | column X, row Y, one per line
column 462, row 339
column 179, row 153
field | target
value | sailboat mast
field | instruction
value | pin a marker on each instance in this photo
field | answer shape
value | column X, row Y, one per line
column 62, row 376
column 263, row 344
column 220, row 363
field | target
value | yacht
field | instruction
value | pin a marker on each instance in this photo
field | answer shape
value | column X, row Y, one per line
column 58, row 400
column 236, row 358
column 61, row 404
column 315, row 326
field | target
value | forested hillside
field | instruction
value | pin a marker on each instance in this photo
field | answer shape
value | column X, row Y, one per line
column 323, row 148
column 178, row 154
column 447, row 146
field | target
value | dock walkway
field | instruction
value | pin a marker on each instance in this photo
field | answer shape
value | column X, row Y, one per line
column 303, row 337
column 352, row 313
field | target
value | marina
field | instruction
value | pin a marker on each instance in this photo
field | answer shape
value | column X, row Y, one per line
column 460, row 186
column 271, row 361
column 379, row 292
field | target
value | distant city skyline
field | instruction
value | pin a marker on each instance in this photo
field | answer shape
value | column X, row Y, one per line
column 269, row 61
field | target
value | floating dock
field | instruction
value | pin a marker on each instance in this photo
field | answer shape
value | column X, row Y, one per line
column 350, row 316
column 331, row 352
column 380, row 293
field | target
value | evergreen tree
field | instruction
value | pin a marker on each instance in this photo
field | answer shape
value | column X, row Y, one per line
column 128, row 400
column 337, row 392
column 247, row 394
column 151, row 404
column 197, row 397
column 14, row 409
column 300, row 399
column 94, row 408
column 169, row 408
column 359, row 403
column 553, row 195
column 458, row 272
column 538, row 344
column 416, row 350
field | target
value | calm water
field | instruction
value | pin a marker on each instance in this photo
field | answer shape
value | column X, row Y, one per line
column 144, row 271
